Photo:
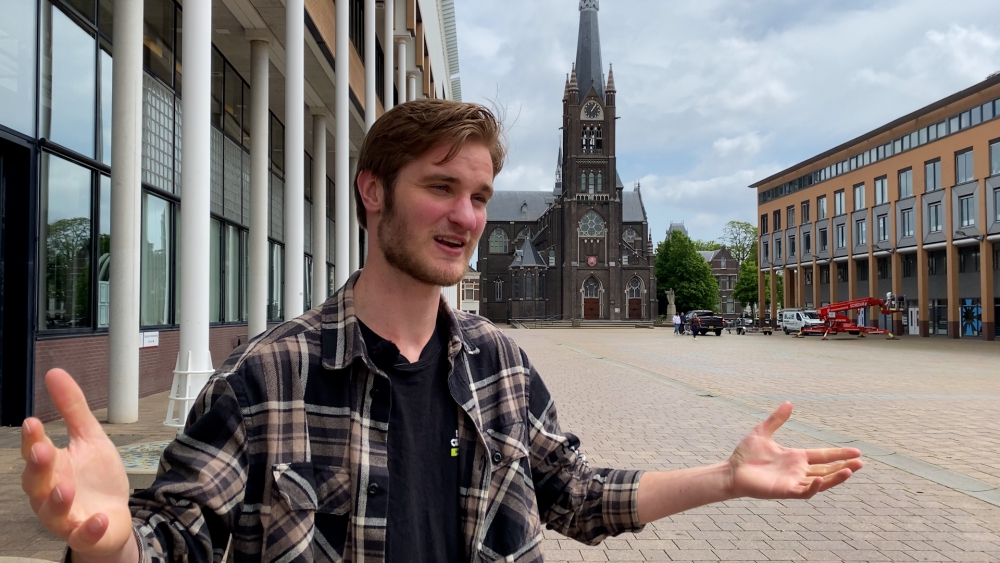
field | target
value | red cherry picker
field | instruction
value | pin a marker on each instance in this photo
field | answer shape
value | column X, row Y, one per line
column 835, row 319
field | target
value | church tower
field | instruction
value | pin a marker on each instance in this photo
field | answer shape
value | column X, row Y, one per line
column 591, row 192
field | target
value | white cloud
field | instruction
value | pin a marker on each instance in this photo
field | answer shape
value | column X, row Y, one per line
column 747, row 144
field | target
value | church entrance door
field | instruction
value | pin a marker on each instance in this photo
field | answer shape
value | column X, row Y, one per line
column 635, row 308
column 591, row 308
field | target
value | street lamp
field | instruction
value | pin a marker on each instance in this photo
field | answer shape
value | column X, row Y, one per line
column 979, row 238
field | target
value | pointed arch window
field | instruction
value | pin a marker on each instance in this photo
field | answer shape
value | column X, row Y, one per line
column 592, row 225
column 590, row 184
column 635, row 288
column 583, row 182
column 498, row 290
column 498, row 241
column 525, row 233
column 591, row 288
column 529, row 285
column 630, row 235
column 600, row 182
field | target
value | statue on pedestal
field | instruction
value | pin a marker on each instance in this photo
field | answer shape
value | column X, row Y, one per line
column 671, row 308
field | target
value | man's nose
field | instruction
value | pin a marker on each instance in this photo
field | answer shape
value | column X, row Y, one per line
column 463, row 214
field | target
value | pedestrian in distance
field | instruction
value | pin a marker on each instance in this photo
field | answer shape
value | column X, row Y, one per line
column 695, row 326
column 293, row 453
column 677, row 324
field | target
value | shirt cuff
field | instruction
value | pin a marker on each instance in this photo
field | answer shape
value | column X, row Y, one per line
column 620, row 504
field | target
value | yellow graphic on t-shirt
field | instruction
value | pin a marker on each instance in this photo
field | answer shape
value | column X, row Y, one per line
column 454, row 445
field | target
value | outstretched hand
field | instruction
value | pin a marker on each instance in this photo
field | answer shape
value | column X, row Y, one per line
column 760, row 468
column 79, row 493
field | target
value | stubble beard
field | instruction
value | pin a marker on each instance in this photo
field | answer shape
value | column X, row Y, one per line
column 395, row 242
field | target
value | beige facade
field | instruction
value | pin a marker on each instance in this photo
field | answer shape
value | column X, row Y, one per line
column 912, row 207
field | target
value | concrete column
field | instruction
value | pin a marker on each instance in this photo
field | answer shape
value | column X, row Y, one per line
column 411, row 86
column 370, row 70
column 761, row 297
column 923, row 291
column 833, row 266
column 388, row 30
column 774, row 298
column 257, row 264
column 342, row 147
column 319, row 273
column 355, row 248
column 194, row 360
column 951, row 275
column 401, row 71
column 897, row 289
column 986, row 280
column 788, row 287
column 294, row 157
column 816, row 298
column 126, row 213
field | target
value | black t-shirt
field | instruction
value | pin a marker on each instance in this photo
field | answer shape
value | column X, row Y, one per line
column 423, row 523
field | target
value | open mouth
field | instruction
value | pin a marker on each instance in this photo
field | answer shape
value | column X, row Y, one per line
column 450, row 242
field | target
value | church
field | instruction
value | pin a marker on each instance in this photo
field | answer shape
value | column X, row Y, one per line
column 582, row 250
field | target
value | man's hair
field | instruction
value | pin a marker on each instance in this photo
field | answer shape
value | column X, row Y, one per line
column 410, row 130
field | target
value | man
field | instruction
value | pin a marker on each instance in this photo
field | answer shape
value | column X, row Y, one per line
column 677, row 324
column 695, row 325
column 384, row 425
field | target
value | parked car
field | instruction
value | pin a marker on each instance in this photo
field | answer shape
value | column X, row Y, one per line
column 709, row 321
column 794, row 320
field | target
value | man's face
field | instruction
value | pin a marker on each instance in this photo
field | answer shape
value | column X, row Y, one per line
column 438, row 214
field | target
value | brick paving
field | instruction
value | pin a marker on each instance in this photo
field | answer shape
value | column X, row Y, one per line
column 933, row 400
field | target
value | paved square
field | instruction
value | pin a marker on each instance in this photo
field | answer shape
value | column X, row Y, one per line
column 647, row 399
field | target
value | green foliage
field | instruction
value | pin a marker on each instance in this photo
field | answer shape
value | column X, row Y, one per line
column 706, row 244
column 745, row 291
column 740, row 238
column 679, row 267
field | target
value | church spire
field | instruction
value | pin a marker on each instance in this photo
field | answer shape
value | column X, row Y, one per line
column 611, row 79
column 588, row 49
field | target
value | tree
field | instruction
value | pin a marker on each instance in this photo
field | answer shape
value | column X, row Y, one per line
column 706, row 244
column 740, row 238
column 745, row 292
column 678, row 266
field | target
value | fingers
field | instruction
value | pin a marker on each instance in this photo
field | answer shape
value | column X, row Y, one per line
column 36, row 480
column 56, row 507
column 827, row 455
column 72, row 405
column 830, row 468
column 776, row 419
column 86, row 535
column 32, row 432
column 834, row 479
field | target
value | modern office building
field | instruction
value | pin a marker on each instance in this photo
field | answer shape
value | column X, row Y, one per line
column 912, row 208
column 582, row 250
column 176, row 175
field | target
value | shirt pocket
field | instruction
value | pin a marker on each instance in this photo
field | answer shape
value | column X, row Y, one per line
column 515, row 529
column 307, row 496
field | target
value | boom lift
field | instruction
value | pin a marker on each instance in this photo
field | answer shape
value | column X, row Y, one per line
column 835, row 319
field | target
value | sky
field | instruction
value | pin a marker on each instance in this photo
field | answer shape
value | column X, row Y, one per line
column 714, row 95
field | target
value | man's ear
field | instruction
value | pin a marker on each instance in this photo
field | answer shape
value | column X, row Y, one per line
column 372, row 194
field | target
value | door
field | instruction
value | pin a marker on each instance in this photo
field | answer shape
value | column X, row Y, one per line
column 592, row 308
column 913, row 318
column 635, row 308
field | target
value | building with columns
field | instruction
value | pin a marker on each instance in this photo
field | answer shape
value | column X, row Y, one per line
column 169, row 195
column 582, row 250
column 912, row 208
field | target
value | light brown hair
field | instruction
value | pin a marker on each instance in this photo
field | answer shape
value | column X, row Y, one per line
column 410, row 130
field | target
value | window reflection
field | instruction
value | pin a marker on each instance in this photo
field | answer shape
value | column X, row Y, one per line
column 232, row 274
column 156, row 263
column 275, row 285
column 106, row 68
column 104, row 255
column 215, row 272
column 65, row 243
column 158, row 38
column 17, row 58
column 68, row 88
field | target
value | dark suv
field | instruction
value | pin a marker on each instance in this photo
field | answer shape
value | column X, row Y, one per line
column 709, row 321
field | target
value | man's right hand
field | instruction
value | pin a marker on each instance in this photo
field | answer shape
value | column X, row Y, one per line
column 79, row 493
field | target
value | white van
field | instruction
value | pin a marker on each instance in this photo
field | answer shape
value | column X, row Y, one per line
column 794, row 320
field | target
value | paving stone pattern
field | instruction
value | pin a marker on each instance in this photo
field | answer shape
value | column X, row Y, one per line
column 933, row 400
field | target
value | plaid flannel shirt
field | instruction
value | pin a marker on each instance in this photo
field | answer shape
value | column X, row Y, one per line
column 284, row 454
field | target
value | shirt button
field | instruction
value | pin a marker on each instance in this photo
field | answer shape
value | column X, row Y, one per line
column 373, row 489
column 497, row 457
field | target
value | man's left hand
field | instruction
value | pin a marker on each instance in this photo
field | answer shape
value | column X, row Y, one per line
column 760, row 468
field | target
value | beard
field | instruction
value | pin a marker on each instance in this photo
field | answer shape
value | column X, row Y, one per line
column 400, row 250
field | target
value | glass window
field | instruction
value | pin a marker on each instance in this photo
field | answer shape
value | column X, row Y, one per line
column 69, row 84
column 104, row 255
column 862, row 268
column 764, row 251
column 932, row 176
column 934, row 218
column 178, row 51
column 592, row 225
column 777, row 248
column 906, row 142
column 232, row 115
column 498, row 241
column 883, row 228
column 805, row 212
column 881, row 191
column 806, row 242
column 963, row 167
column 906, row 183
column 942, row 129
column 841, row 237
column 763, row 224
column 977, row 115
column 84, row 7
column 600, row 182
column 907, row 221
column 275, row 282
column 106, row 17
column 952, row 126
column 897, row 146
column 777, row 220
column 591, row 289
column 215, row 272
column 994, row 158
column 987, row 111
column 791, row 246
column 966, row 119
column 106, row 68
column 824, row 244
column 838, row 203
column 821, row 208
column 158, row 133
column 590, row 183
column 277, row 145
column 154, row 308
column 306, row 283
column 860, row 232
column 791, row 216
column 17, row 58
column 859, row 197
column 158, row 39
column 967, row 211
column 65, row 243
column 996, row 204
